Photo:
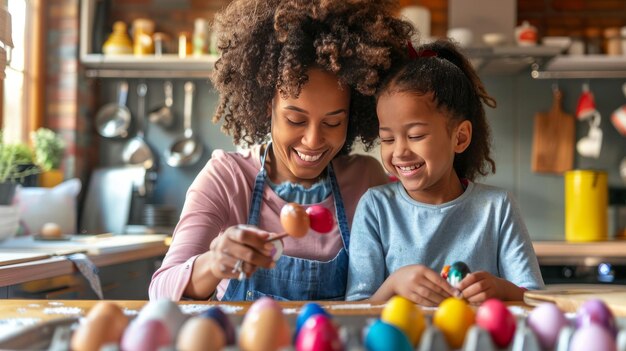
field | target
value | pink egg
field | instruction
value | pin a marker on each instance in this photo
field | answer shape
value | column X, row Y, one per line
column 321, row 219
column 546, row 321
column 318, row 334
column 148, row 335
column 263, row 303
column 495, row 317
column 595, row 311
column 592, row 337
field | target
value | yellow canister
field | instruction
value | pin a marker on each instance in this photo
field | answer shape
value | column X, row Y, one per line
column 586, row 202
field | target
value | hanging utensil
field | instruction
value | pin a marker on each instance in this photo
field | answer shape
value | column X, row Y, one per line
column 186, row 150
column 164, row 115
column 113, row 119
column 137, row 151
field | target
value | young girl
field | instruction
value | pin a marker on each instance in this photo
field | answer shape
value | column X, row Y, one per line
column 436, row 141
column 297, row 81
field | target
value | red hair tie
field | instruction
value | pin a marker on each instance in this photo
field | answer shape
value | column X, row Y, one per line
column 413, row 54
column 427, row 53
column 411, row 50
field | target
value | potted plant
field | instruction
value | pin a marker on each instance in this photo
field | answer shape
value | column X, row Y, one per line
column 16, row 166
column 49, row 148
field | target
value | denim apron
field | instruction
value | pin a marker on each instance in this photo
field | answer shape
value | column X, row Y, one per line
column 296, row 278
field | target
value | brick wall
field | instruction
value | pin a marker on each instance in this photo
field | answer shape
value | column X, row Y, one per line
column 68, row 94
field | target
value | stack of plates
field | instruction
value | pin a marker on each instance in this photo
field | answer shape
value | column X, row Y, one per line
column 159, row 216
column 9, row 221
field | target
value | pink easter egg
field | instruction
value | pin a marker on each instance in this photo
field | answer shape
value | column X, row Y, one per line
column 146, row 335
column 495, row 317
column 592, row 337
column 318, row 334
column 546, row 321
column 321, row 219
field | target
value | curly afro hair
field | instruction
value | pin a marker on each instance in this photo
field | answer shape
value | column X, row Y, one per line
column 268, row 45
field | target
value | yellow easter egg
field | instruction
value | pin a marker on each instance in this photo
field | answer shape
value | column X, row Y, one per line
column 405, row 315
column 454, row 317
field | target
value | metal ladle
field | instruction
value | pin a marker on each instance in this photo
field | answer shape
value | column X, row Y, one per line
column 137, row 151
column 113, row 119
column 186, row 150
column 163, row 115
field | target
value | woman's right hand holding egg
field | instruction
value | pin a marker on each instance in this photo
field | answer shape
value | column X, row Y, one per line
column 240, row 242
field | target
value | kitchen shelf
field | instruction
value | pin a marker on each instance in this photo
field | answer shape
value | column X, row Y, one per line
column 164, row 66
column 581, row 67
column 500, row 60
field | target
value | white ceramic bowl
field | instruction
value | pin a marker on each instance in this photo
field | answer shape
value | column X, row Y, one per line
column 561, row 42
column 494, row 39
column 9, row 221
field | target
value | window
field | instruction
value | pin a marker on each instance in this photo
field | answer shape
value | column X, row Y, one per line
column 22, row 98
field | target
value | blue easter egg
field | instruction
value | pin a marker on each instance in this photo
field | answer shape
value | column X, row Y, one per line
column 308, row 310
column 383, row 336
column 222, row 320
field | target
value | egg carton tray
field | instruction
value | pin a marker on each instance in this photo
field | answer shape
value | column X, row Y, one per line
column 55, row 335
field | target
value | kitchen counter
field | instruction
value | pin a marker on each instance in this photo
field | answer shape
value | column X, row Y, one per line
column 41, row 269
column 586, row 254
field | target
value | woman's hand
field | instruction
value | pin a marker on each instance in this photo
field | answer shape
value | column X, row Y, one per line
column 241, row 242
column 480, row 286
column 417, row 283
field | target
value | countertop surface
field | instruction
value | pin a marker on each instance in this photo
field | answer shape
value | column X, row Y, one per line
column 583, row 253
column 25, row 259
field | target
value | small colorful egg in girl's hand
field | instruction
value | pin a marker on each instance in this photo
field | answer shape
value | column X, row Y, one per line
column 546, row 321
column 495, row 317
column 444, row 272
column 294, row 220
column 458, row 271
column 321, row 219
column 454, row 317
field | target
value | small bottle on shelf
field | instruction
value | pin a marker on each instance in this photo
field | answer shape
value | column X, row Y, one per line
column 200, row 37
column 118, row 43
column 613, row 41
column 184, row 44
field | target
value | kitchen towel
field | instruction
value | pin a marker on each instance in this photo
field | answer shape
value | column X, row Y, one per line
column 89, row 270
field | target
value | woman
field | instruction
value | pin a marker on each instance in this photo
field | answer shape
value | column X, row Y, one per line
column 304, row 73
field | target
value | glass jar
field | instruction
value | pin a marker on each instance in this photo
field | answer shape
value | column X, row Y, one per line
column 613, row 42
column 142, row 37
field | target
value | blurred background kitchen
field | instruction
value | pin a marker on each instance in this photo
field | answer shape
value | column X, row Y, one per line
column 125, row 86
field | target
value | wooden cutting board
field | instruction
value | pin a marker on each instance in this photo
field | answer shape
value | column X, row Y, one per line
column 570, row 297
column 553, row 139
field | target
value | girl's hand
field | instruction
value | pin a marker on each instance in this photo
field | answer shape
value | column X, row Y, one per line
column 478, row 287
column 421, row 285
column 240, row 242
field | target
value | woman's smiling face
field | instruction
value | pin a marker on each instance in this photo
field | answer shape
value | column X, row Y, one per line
column 418, row 145
column 308, row 131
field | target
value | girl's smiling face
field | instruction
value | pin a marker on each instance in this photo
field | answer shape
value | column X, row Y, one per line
column 418, row 144
column 308, row 131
